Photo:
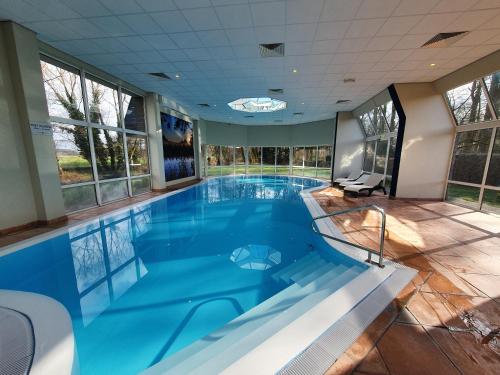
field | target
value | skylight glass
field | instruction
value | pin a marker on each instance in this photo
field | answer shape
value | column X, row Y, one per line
column 257, row 105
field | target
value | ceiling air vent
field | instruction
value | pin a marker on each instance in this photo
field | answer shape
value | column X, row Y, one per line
column 159, row 75
column 298, row 113
column 275, row 91
column 272, row 50
column 343, row 101
column 444, row 39
column 349, row 80
column 206, row 105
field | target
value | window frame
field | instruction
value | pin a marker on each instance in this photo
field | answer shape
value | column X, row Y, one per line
column 493, row 124
column 82, row 72
column 291, row 165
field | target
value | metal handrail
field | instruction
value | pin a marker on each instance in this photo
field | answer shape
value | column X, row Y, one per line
column 380, row 253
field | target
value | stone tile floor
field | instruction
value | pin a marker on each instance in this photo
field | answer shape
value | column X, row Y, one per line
column 447, row 320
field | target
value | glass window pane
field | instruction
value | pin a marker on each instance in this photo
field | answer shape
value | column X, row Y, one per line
column 369, row 155
column 493, row 86
column 137, row 150
column 381, row 156
column 213, row 160
column 63, row 90
column 491, row 201
column 464, row 195
column 391, row 116
column 113, row 190
column 72, row 153
column 367, row 125
column 79, row 197
column 110, row 156
column 227, row 161
column 469, row 156
column 140, row 185
column 283, row 160
column 239, row 159
column 310, row 161
column 392, row 152
column 493, row 177
column 254, row 160
column 324, row 162
column 133, row 111
column 298, row 161
column 103, row 103
column 468, row 103
column 378, row 121
column 268, row 160
column 324, row 156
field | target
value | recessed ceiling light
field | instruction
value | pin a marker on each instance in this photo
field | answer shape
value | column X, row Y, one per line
column 159, row 75
column 432, row 64
column 298, row 113
column 294, row 70
column 177, row 75
column 302, row 103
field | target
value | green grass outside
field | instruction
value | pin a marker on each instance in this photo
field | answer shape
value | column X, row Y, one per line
column 72, row 162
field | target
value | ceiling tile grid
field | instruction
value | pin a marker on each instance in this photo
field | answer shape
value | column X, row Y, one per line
column 212, row 46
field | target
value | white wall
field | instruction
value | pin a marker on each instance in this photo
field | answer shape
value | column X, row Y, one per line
column 17, row 203
column 427, row 142
column 313, row 133
column 349, row 145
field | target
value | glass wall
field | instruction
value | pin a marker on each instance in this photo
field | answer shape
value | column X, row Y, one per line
column 99, row 136
column 474, row 176
column 309, row 161
column 380, row 126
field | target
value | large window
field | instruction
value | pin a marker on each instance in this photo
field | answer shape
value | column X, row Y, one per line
column 309, row 161
column 474, row 177
column 99, row 136
column 380, row 126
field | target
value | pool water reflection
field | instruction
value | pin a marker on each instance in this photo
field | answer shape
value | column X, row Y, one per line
column 144, row 283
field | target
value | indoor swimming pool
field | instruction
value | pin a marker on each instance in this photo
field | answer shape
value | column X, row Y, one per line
column 143, row 283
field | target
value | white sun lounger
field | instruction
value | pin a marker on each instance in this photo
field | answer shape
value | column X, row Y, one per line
column 361, row 180
column 354, row 175
column 374, row 182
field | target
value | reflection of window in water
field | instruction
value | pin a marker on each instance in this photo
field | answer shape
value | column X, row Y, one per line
column 105, row 262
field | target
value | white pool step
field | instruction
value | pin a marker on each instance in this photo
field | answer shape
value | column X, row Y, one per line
column 219, row 360
column 311, row 267
column 319, row 283
column 294, row 266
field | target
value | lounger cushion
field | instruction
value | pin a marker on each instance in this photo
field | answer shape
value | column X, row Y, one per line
column 371, row 182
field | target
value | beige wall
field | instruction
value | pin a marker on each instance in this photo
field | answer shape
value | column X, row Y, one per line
column 313, row 133
column 427, row 142
column 17, row 203
column 349, row 145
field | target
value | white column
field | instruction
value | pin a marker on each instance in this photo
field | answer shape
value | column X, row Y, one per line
column 155, row 142
column 24, row 60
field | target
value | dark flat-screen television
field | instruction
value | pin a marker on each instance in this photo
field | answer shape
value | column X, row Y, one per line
column 178, row 150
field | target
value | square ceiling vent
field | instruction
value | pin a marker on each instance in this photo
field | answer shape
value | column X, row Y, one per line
column 444, row 39
column 272, row 50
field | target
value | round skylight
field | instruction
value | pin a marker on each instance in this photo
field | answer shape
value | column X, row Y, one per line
column 257, row 105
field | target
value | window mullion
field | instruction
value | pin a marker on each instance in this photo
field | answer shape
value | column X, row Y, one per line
column 487, row 166
column 488, row 99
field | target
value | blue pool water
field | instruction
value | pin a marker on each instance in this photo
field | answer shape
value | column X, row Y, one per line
column 144, row 283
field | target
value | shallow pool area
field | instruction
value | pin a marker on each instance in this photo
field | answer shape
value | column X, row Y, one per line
column 143, row 283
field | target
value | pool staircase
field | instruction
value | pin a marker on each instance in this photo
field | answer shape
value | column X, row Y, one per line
column 311, row 281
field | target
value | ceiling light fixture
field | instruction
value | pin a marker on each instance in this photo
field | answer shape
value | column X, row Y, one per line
column 264, row 104
column 177, row 75
column 432, row 65
column 295, row 71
